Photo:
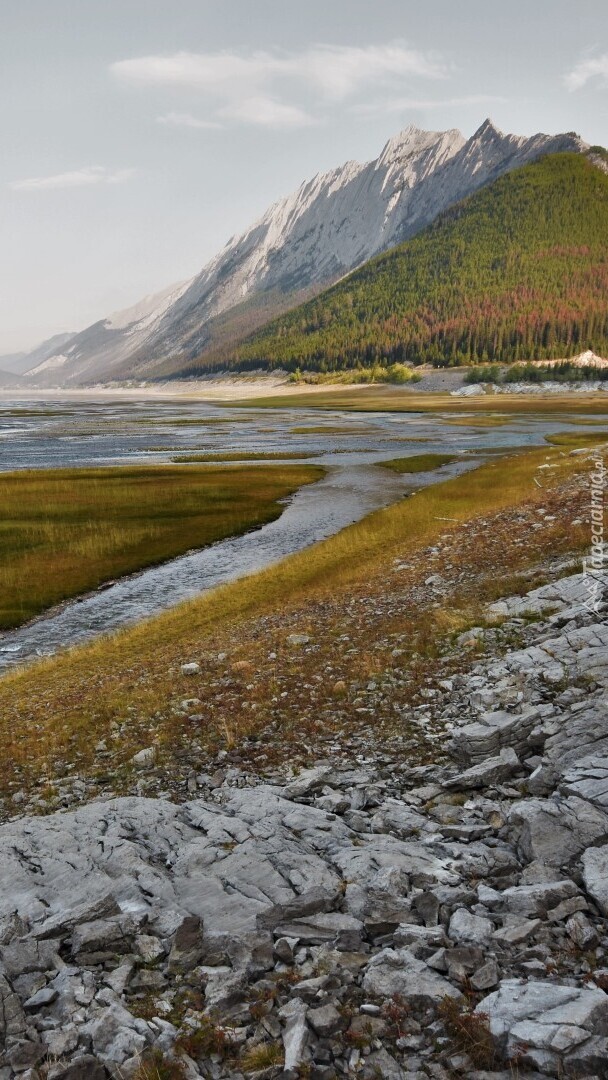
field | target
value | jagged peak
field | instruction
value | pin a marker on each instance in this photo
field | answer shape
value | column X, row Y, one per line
column 413, row 138
column 488, row 130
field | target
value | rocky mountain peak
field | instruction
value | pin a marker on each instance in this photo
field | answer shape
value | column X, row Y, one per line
column 414, row 140
column 488, row 130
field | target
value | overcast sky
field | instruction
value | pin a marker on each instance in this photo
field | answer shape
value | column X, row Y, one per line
column 139, row 135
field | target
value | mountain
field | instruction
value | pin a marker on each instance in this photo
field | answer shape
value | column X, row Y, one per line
column 330, row 225
column 10, row 380
column 516, row 271
column 22, row 362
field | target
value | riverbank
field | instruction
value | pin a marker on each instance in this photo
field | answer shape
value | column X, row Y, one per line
column 438, row 386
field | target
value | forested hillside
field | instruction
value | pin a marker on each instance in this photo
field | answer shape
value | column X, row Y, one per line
column 517, row 271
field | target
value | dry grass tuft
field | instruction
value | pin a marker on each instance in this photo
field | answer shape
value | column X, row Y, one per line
column 470, row 1031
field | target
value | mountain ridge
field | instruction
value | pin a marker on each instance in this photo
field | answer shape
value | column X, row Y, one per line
column 516, row 271
column 331, row 224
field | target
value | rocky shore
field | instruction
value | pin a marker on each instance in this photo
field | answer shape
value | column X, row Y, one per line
column 363, row 918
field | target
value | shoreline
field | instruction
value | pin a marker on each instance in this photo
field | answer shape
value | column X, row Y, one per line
column 434, row 385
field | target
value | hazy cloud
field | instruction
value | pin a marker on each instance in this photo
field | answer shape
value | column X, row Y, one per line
column 186, row 120
column 266, row 112
column 266, row 87
column 594, row 67
column 403, row 104
column 85, row 177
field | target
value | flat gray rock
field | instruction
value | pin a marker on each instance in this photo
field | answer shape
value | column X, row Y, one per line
column 546, row 1022
column 398, row 971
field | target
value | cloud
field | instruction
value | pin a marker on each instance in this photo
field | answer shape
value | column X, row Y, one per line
column 88, row 176
column 266, row 87
column 187, row 120
column 402, row 104
column 266, row 112
column 594, row 67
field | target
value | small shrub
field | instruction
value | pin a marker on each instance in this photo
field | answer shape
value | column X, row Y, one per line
column 155, row 1065
column 397, row 1013
column 203, row 1041
column 470, row 1032
column 264, row 1056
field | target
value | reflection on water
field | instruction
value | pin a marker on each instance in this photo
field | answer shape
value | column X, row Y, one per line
column 54, row 434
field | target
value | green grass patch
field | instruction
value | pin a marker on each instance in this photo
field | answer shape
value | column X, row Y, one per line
column 64, row 532
column 577, row 438
column 477, row 421
column 274, row 455
column 418, row 463
column 399, row 400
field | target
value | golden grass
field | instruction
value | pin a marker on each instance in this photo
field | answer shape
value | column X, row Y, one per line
column 328, row 429
column 418, row 463
column 392, row 399
column 577, row 439
column 64, row 532
column 274, row 455
column 477, row 420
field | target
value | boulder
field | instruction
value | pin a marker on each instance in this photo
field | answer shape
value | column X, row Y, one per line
column 595, row 875
column 544, row 1023
column 295, row 1032
column 494, row 770
column 556, row 831
column 468, row 929
column 398, row 971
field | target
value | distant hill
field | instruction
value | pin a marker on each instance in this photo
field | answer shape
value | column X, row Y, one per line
column 22, row 362
column 517, row 271
column 9, row 380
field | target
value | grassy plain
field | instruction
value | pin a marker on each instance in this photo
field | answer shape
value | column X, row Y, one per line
column 394, row 399
column 131, row 682
column 418, row 463
column 273, row 455
column 573, row 439
column 64, row 532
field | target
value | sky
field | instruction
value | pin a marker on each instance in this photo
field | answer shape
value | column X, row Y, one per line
column 138, row 136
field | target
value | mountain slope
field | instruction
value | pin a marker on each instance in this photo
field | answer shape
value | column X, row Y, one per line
column 11, row 380
column 330, row 225
column 516, row 271
column 22, row 362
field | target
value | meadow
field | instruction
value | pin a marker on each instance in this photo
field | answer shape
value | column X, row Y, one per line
column 417, row 463
column 396, row 399
column 252, row 455
column 64, row 532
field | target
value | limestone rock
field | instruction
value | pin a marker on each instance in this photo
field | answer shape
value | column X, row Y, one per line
column 398, row 971
column 548, row 1021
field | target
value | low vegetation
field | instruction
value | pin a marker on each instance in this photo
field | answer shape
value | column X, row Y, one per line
column 65, row 532
column 470, row 1032
column 244, row 456
column 574, row 439
column 401, row 400
column 377, row 373
column 564, row 372
column 418, row 463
